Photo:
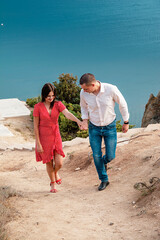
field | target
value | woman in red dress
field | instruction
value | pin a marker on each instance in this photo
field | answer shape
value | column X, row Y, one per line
column 47, row 134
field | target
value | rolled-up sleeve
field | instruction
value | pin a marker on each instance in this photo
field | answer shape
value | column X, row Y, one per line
column 84, row 107
column 118, row 97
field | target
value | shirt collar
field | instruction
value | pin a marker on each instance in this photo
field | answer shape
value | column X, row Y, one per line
column 102, row 87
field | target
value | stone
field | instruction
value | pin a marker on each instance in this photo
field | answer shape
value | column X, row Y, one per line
column 77, row 169
column 111, row 223
column 152, row 127
column 152, row 111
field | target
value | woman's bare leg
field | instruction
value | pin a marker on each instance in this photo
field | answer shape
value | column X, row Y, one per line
column 58, row 164
column 51, row 174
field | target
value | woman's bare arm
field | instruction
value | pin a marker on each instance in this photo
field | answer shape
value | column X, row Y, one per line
column 36, row 131
column 71, row 117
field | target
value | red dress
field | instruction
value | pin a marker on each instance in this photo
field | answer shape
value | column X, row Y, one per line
column 49, row 133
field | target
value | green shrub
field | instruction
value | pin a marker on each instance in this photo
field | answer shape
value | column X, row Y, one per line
column 32, row 101
column 68, row 128
column 118, row 126
column 131, row 126
column 67, row 89
column 82, row 133
column 31, row 115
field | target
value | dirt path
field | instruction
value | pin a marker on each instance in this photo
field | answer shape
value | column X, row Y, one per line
column 78, row 211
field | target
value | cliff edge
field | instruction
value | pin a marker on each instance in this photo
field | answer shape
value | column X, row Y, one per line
column 152, row 111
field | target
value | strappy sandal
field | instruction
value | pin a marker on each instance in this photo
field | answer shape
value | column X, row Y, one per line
column 54, row 190
column 59, row 181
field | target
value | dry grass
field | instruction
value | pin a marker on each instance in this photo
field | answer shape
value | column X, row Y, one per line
column 6, row 211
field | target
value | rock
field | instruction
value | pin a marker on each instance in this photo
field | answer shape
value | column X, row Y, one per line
column 152, row 127
column 118, row 169
column 77, row 169
column 147, row 158
column 152, row 111
column 111, row 223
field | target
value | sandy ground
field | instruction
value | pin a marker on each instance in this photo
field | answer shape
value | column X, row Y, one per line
column 78, row 211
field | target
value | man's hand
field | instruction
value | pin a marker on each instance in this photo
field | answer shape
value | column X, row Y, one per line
column 84, row 125
column 125, row 128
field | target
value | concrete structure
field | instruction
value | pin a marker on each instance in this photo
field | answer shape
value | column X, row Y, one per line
column 12, row 108
column 4, row 131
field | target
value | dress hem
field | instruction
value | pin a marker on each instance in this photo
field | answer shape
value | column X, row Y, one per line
column 59, row 152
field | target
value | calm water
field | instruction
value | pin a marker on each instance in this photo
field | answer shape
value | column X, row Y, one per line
column 117, row 40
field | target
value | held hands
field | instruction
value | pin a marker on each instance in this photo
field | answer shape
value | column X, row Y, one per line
column 83, row 125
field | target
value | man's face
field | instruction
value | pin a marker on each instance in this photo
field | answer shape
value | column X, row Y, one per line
column 88, row 88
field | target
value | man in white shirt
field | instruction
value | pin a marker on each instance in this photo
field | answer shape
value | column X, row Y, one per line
column 97, row 101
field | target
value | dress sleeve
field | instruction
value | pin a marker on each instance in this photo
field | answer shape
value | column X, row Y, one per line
column 61, row 106
column 36, row 111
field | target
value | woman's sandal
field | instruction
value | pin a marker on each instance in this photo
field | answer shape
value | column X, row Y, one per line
column 54, row 190
column 59, row 181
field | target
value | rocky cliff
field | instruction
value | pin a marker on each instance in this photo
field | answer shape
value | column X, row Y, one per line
column 152, row 111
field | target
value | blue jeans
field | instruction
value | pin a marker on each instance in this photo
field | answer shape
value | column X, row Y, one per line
column 109, row 134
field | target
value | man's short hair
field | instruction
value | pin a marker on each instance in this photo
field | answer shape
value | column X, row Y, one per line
column 87, row 78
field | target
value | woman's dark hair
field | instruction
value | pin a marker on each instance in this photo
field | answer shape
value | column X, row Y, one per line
column 47, row 88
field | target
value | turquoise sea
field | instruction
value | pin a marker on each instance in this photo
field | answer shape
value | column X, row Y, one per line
column 117, row 40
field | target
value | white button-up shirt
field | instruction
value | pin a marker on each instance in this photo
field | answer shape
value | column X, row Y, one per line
column 99, row 109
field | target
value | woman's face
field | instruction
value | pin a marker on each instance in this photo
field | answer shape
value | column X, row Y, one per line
column 50, row 97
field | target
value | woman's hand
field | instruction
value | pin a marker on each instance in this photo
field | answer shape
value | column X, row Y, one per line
column 80, row 123
column 71, row 117
column 39, row 148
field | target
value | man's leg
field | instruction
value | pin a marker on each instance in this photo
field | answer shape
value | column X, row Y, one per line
column 95, row 142
column 110, row 140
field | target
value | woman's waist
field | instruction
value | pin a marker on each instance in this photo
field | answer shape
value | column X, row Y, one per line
column 50, row 125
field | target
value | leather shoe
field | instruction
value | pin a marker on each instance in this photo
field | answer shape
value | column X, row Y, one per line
column 103, row 185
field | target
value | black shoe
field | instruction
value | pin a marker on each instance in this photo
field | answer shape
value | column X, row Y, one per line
column 103, row 185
